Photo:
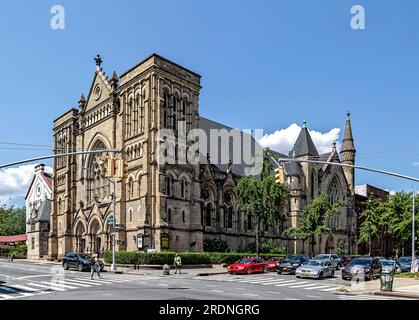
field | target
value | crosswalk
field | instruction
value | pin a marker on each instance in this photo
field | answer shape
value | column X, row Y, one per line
column 31, row 287
column 275, row 281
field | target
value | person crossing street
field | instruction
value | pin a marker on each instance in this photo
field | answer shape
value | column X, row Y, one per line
column 178, row 263
column 95, row 267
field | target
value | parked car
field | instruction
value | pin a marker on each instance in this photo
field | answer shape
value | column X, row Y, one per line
column 79, row 261
column 248, row 266
column 405, row 263
column 291, row 263
column 333, row 258
column 317, row 269
column 273, row 263
column 389, row 266
column 370, row 268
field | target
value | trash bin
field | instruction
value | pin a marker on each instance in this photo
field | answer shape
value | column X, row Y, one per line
column 386, row 281
column 166, row 270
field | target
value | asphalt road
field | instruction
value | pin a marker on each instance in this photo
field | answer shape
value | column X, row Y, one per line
column 31, row 281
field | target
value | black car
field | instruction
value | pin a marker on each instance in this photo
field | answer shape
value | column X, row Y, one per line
column 79, row 261
column 370, row 268
column 291, row 263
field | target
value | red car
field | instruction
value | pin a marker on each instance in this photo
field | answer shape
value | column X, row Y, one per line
column 272, row 263
column 248, row 266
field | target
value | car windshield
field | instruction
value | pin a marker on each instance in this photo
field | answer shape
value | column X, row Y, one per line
column 321, row 257
column 405, row 260
column 274, row 259
column 244, row 261
column 314, row 263
column 387, row 263
column 360, row 262
column 295, row 259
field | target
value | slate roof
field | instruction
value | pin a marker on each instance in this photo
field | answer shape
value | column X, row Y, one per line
column 304, row 144
column 44, row 211
column 237, row 169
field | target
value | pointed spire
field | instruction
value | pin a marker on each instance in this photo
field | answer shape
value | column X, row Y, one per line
column 304, row 144
column 82, row 102
column 348, row 140
column 114, row 80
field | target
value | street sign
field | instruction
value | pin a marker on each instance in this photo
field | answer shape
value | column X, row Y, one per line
column 110, row 220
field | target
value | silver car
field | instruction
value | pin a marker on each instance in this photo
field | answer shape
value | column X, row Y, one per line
column 333, row 258
column 389, row 266
column 316, row 269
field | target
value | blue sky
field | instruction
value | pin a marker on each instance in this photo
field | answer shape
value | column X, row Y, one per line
column 264, row 64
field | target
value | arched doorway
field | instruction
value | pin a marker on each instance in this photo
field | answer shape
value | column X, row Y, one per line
column 95, row 238
column 80, row 237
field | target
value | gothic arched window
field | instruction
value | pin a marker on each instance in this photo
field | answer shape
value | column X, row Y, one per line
column 334, row 191
column 208, row 215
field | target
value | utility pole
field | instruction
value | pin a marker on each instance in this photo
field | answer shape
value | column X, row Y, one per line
column 113, row 266
column 413, row 227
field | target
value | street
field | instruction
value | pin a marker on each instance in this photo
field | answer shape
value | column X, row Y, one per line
column 39, row 282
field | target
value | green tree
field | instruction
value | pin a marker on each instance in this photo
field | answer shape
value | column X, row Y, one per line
column 372, row 220
column 398, row 217
column 12, row 220
column 261, row 197
column 312, row 223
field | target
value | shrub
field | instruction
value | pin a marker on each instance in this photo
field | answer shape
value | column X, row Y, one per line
column 190, row 258
column 218, row 244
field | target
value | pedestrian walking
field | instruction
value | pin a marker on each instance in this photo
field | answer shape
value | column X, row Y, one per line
column 415, row 267
column 178, row 263
column 95, row 267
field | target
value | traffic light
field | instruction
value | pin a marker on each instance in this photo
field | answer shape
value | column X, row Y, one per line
column 110, row 172
column 122, row 169
column 279, row 175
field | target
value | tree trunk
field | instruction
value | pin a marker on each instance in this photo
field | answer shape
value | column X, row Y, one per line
column 312, row 247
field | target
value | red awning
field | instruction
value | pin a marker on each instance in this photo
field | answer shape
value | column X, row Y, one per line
column 17, row 238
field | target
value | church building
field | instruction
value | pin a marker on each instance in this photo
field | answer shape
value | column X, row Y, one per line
column 165, row 206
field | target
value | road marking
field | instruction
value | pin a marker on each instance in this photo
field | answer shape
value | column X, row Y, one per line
column 46, row 287
column 272, row 282
column 292, row 299
column 73, row 283
column 276, row 292
column 318, row 287
column 210, row 285
column 331, row 289
column 6, row 296
column 20, row 287
column 41, row 275
column 218, row 291
column 59, row 285
column 250, row 294
column 82, row 282
column 286, row 283
column 93, row 281
column 305, row 285
column 261, row 281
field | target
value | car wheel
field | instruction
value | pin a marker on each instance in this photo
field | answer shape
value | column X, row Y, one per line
column 248, row 271
column 80, row 267
column 321, row 275
column 65, row 266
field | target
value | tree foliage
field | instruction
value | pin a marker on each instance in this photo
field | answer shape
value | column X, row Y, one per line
column 312, row 223
column 261, row 197
column 12, row 221
column 372, row 220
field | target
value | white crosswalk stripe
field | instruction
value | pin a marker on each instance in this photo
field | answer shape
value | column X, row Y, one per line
column 268, row 280
column 367, row 297
column 32, row 287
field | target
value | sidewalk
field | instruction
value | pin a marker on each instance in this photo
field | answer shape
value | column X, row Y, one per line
column 402, row 287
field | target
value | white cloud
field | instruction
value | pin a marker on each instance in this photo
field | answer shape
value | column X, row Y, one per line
column 14, row 182
column 283, row 140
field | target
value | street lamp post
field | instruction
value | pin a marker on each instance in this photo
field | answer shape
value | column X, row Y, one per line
column 413, row 226
column 113, row 266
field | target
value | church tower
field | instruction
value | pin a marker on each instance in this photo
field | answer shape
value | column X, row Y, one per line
column 348, row 153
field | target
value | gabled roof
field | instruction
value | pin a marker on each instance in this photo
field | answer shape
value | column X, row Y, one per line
column 45, row 177
column 304, row 145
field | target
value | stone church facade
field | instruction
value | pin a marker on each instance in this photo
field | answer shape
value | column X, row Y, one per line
column 164, row 206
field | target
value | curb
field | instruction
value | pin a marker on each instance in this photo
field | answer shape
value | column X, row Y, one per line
column 396, row 294
column 210, row 274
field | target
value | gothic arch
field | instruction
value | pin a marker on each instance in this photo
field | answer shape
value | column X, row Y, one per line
column 334, row 190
